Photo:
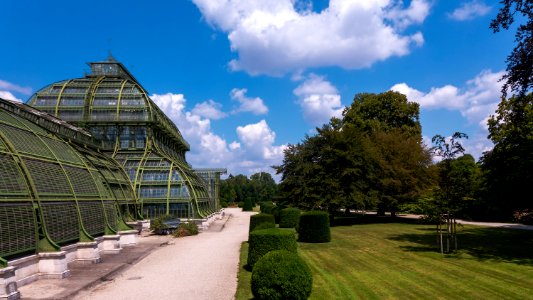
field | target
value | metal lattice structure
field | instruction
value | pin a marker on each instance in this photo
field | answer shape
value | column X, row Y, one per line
column 116, row 109
column 55, row 187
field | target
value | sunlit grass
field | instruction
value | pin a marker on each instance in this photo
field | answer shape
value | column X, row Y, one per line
column 401, row 261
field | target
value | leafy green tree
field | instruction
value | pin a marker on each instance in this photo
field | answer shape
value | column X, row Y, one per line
column 264, row 186
column 373, row 155
column 399, row 158
column 384, row 112
column 519, row 76
column 508, row 166
column 453, row 186
column 402, row 169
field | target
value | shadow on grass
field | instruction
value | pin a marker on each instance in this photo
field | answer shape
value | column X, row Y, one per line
column 482, row 243
column 355, row 219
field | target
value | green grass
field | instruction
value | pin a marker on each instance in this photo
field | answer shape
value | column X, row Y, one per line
column 401, row 261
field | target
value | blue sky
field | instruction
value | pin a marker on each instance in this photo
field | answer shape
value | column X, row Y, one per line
column 242, row 78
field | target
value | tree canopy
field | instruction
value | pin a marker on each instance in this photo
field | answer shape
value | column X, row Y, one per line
column 519, row 77
column 508, row 165
column 372, row 157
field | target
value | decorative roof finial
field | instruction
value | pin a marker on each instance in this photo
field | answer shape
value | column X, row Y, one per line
column 110, row 57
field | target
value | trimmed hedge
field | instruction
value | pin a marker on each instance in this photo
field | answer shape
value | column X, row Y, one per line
column 263, row 241
column 247, row 205
column 281, row 275
column 266, row 207
column 261, row 219
column 314, row 227
column 289, row 217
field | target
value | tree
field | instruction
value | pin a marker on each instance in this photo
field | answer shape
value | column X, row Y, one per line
column 384, row 112
column 264, row 186
column 507, row 167
column 402, row 169
column 400, row 160
column 519, row 77
column 374, row 154
column 451, row 186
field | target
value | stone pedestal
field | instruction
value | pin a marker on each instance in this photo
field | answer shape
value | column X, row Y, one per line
column 88, row 253
column 111, row 244
column 26, row 269
column 128, row 237
column 8, row 284
column 53, row 265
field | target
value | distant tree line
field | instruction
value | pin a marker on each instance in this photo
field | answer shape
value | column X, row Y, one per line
column 240, row 189
column 373, row 158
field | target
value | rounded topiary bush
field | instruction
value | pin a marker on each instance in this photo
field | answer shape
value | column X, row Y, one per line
column 314, row 227
column 261, row 218
column 289, row 217
column 281, row 275
column 263, row 241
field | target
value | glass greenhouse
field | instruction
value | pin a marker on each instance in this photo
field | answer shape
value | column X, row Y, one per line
column 56, row 188
column 116, row 110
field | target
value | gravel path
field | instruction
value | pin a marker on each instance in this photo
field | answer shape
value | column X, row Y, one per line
column 486, row 224
column 197, row 267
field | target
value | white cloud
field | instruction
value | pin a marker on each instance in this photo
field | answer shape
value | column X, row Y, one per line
column 14, row 87
column 469, row 10
column 319, row 100
column 209, row 109
column 8, row 96
column 259, row 140
column 274, row 37
column 253, row 105
column 476, row 101
column 254, row 152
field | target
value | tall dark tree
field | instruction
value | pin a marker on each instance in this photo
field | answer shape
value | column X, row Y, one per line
column 519, row 77
column 508, row 166
column 392, row 123
column 373, row 155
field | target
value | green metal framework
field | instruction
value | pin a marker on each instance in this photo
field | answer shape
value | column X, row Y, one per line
column 55, row 187
column 116, row 109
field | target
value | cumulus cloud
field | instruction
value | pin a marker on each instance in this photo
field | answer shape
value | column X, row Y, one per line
column 259, row 139
column 278, row 36
column 476, row 101
column 469, row 10
column 8, row 96
column 255, row 151
column 209, row 109
column 246, row 104
column 319, row 100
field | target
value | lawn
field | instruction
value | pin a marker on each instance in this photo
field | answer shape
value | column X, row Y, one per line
column 401, row 261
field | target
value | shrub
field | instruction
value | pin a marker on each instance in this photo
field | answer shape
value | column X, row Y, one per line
column 255, row 220
column 186, row 229
column 263, row 241
column 289, row 217
column 248, row 206
column 524, row 216
column 158, row 225
column 264, row 226
column 240, row 204
column 281, row 275
column 314, row 227
column 266, row 207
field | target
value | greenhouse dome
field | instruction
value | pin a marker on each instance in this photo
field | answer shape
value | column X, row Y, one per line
column 117, row 111
column 55, row 187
